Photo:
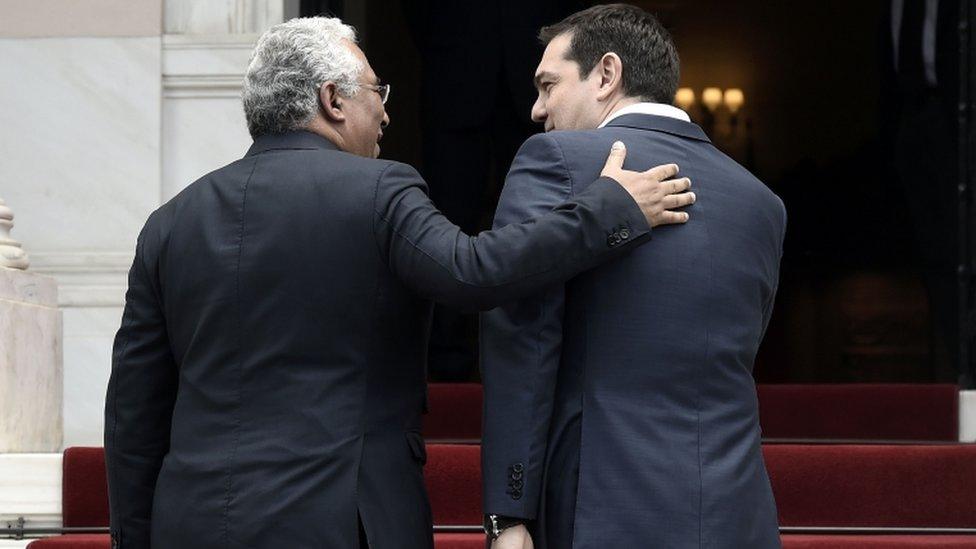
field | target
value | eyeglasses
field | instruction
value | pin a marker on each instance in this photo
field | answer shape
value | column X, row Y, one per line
column 382, row 89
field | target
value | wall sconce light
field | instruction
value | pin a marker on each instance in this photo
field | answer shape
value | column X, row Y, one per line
column 717, row 111
column 712, row 98
column 685, row 98
column 734, row 98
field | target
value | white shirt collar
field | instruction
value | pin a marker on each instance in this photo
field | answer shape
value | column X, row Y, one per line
column 657, row 109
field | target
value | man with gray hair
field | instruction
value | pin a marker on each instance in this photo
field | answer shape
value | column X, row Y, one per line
column 268, row 378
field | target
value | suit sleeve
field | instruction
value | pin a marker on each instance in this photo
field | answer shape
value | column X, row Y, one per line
column 768, row 306
column 138, row 406
column 521, row 345
column 438, row 261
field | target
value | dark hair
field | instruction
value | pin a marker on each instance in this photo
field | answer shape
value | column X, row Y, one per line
column 649, row 58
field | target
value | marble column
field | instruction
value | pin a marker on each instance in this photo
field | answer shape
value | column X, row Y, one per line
column 154, row 94
column 80, row 135
column 30, row 352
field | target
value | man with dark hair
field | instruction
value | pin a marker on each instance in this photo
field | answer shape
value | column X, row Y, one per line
column 616, row 418
column 649, row 55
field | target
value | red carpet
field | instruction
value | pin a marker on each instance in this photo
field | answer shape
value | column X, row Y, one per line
column 73, row 541
column 794, row 541
column 814, row 485
column 867, row 411
column 881, row 485
column 84, row 489
column 455, row 411
column 459, row 541
column 453, row 475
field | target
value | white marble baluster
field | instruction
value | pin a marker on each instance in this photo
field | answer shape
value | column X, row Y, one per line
column 12, row 254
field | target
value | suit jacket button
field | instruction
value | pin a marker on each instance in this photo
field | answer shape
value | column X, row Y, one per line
column 624, row 234
column 517, row 476
column 518, row 467
column 517, row 485
column 516, row 494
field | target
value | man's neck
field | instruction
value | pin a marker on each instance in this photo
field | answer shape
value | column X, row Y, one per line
column 615, row 105
column 318, row 126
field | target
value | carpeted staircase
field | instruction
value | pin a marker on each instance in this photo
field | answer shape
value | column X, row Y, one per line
column 888, row 490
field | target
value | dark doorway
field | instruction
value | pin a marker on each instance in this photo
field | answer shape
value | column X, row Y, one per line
column 858, row 114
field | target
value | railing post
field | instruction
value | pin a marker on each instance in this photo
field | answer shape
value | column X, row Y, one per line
column 12, row 254
column 31, row 375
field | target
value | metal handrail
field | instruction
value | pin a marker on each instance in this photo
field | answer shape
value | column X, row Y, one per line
column 462, row 528
column 18, row 530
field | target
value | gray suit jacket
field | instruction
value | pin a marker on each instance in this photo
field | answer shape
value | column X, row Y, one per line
column 620, row 409
column 268, row 379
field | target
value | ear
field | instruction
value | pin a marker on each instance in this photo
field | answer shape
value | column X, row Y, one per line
column 610, row 70
column 331, row 102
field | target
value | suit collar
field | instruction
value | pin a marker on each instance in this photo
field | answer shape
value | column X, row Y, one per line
column 664, row 124
column 646, row 107
column 297, row 140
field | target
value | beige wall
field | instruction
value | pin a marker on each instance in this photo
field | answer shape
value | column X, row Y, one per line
column 74, row 18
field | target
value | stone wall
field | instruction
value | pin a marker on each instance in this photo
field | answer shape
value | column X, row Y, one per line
column 112, row 107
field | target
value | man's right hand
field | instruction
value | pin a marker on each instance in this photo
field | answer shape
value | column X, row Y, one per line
column 654, row 190
column 516, row 537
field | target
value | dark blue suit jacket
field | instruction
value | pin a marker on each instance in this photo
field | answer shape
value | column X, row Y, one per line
column 268, row 379
column 620, row 408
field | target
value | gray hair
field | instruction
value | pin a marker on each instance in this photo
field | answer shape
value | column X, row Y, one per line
column 289, row 64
